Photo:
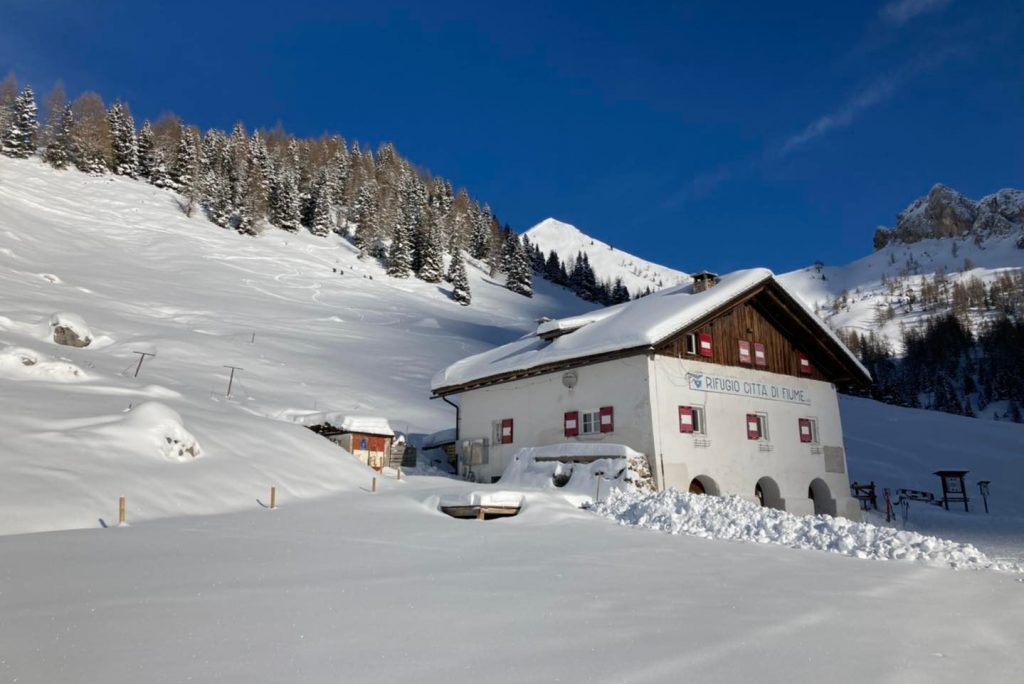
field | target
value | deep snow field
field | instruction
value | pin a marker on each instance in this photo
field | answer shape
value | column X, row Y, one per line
column 339, row 584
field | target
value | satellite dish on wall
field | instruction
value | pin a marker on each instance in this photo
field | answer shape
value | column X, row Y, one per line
column 570, row 378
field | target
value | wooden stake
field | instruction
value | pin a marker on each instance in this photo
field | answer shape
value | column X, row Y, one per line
column 273, row 498
column 597, row 494
column 120, row 511
column 480, row 513
column 399, row 473
column 373, row 487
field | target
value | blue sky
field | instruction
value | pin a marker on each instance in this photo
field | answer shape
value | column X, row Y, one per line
column 700, row 135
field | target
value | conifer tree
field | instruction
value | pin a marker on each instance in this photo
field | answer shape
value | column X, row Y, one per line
column 320, row 206
column 284, row 203
column 480, row 240
column 19, row 140
column 400, row 254
column 146, row 147
column 185, row 168
column 432, row 269
column 125, row 158
column 459, row 280
column 518, row 274
column 58, row 147
column 8, row 95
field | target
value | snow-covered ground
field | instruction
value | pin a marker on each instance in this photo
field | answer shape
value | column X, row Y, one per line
column 340, row 584
column 608, row 262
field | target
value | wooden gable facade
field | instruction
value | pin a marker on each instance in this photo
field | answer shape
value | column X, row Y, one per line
column 765, row 330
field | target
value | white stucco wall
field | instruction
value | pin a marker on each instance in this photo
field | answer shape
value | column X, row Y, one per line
column 726, row 455
column 537, row 406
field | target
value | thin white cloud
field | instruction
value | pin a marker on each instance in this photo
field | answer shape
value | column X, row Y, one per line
column 873, row 94
column 899, row 12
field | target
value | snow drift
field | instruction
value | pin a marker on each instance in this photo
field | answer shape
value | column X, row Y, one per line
column 735, row 519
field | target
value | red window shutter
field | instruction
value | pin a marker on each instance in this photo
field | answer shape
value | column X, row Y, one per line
column 760, row 358
column 753, row 426
column 805, row 430
column 572, row 423
column 607, row 419
column 704, row 344
column 805, row 364
column 744, row 352
column 506, row 431
column 686, row 419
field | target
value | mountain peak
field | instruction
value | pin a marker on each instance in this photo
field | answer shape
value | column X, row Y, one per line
column 608, row 262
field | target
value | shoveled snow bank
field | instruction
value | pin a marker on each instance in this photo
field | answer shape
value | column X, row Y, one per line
column 735, row 519
column 616, row 466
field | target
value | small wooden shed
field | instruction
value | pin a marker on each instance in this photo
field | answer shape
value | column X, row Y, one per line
column 368, row 438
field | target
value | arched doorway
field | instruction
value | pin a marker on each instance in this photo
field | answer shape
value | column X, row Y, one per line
column 702, row 484
column 766, row 491
column 819, row 493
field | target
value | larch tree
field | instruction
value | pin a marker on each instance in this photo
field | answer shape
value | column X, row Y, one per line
column 91, row 140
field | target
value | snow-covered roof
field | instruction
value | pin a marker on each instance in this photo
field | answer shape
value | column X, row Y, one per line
column 371, row 425
column 439, row 438
column 637, row 324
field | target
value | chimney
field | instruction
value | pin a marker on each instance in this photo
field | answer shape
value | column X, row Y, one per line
column 703, row 280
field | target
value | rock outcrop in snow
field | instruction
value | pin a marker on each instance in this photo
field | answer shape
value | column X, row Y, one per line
column 70, row 330
column 944, row 212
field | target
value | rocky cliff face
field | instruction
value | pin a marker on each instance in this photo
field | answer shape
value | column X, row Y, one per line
column 944, row 212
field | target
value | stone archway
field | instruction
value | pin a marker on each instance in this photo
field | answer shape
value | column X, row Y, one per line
column 821, row 495
column 702, row 484
column 766, row 491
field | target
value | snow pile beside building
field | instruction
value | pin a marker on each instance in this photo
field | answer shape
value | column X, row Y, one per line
column 735, row 519
column 575, row 469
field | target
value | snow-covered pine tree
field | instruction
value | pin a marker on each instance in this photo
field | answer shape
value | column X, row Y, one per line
column 125, row 158
column 400, row 253
column 320, row 206
column 58, row 147
column 284, row 204
column 364, row 215
column 432, row 270
column 480, row 240
column 518, row 278
column 459, row 280
column 184, row 170
column 146, row 146
column 19, row 140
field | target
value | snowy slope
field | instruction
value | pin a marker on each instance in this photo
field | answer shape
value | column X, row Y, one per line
column 311, row 326
column 608, row 262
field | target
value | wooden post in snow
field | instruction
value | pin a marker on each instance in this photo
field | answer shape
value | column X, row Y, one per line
column 273, row 498
column 120, row 511
column 373, row 486
column 597, row 494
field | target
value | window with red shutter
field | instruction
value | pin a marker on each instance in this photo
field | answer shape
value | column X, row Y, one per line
column 805, row 364
column 760, row 358
column 686, row 419
column 753, row 426
column 506, row 431
column 607, row 419
column 571, row 422
column 805, row 430
column 744, row 352
column 704, row 344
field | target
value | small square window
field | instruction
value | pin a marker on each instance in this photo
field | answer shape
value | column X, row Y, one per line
column 591, row 422
column 691, row 344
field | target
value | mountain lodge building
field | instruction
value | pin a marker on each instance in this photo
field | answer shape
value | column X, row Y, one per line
column 728, row 386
